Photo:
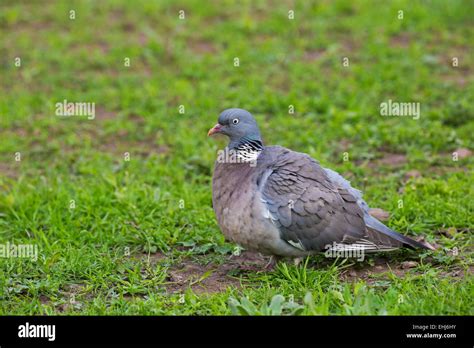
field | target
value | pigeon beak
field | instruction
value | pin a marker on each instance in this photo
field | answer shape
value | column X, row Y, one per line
column 214, row 130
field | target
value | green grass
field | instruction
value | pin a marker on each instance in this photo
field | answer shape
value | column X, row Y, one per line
column 135, row 223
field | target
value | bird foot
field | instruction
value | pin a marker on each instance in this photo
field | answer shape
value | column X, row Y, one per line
column 297, row 261
column 272, row 263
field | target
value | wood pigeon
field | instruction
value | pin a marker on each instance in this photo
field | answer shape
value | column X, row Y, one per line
column 283, row 203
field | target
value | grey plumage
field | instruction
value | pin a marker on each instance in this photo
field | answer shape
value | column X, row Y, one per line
column 286, row 204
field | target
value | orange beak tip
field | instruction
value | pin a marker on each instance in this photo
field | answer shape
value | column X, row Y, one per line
column 214, row 130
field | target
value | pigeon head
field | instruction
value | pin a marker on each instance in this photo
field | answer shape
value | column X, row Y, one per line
column 238, row 124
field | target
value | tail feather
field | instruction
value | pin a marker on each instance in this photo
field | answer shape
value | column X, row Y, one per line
column 378, row 231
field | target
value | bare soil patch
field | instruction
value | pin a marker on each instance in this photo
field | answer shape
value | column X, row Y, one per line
column 373, row 274
column 313, row 55
column 401, row 40
column 390, row 160
column 379, row 214
column 202, row 47
column 9, row 169
column 212, row 278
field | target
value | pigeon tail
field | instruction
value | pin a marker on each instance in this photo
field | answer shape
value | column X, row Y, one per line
column 376, row 226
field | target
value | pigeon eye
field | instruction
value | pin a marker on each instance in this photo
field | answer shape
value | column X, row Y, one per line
column 235, row 121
